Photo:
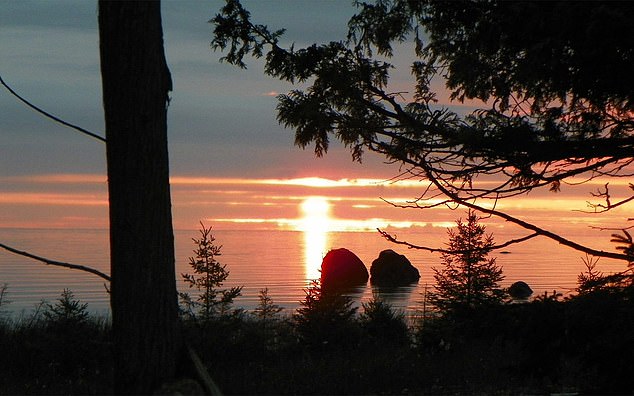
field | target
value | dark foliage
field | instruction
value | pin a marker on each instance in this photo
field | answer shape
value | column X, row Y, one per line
column 543, row 51
column 558, row 93
column 58, row 350
column 551, row 345
column 559, row 101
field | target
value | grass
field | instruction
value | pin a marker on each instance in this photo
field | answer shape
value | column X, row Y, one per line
column 580, row 345
column 42, row 357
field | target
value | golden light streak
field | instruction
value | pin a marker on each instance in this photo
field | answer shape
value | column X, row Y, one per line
column 315, row 182
column 333, row 225
column 315, row 225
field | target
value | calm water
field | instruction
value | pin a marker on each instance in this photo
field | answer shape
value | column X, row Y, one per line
column 283, row 261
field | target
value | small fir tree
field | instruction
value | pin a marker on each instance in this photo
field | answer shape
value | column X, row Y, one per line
column 208, row 276
column 592, row 280
column 268, row 317
column 468, row 279
column 67, row 311
column 266, row 310
column 382, row 323
column 325, row 318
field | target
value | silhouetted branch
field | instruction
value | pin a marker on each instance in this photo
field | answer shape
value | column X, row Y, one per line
column 56, row 263
column 612, row 228
column 601, row 208
column 535, row 139
column 528, row 226
column 49, row 115
column 393, row 239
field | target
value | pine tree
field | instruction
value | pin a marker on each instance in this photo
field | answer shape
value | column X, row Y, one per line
column 208, row 276
column 67, row 311
column 469, row 279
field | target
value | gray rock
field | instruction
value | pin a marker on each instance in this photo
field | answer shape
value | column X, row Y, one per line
column 520, row 290
column 393, row 269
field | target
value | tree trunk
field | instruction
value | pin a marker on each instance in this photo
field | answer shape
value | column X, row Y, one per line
column 136, row 82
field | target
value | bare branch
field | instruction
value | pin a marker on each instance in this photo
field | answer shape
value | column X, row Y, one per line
column 49, row 115
column 445, row 187
column 612, row 228
column 601, row 208
column 529, row 226
column 56, row 263
column 393, row 239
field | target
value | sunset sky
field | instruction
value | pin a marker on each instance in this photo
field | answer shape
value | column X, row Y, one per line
column 232, row 164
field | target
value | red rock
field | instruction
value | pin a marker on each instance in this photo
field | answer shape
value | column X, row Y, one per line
column 342, row 268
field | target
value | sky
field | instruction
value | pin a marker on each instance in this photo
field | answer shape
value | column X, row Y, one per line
column 232, row 164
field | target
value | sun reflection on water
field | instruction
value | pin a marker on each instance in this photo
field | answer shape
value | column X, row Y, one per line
column 315, row 224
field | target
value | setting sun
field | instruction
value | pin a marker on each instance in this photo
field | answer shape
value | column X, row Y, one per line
column 316, row 208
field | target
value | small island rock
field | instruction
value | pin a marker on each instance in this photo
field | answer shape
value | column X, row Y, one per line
column 393, row 269
column 520, row 290
column 341, row 268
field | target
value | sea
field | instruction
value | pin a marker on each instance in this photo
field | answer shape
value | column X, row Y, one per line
column 283, row 262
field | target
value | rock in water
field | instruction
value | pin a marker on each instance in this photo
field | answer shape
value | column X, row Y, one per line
column 393, row 269
column 341, row 268
column 520, row 290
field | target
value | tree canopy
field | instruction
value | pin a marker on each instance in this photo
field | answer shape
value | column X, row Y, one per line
column 552, row 80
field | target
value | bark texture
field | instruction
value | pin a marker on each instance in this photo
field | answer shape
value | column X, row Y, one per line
column 136, row 82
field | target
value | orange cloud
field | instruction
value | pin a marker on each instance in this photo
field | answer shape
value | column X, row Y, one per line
column 78, row 199
column 275, row 203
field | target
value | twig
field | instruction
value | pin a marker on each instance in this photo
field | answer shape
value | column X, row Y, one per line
column 611, row 228
column 601, row 208
column 49, row 115
column 57, row 263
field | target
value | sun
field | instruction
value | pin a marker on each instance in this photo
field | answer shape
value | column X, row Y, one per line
column 315, row 225
column 315, row 208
